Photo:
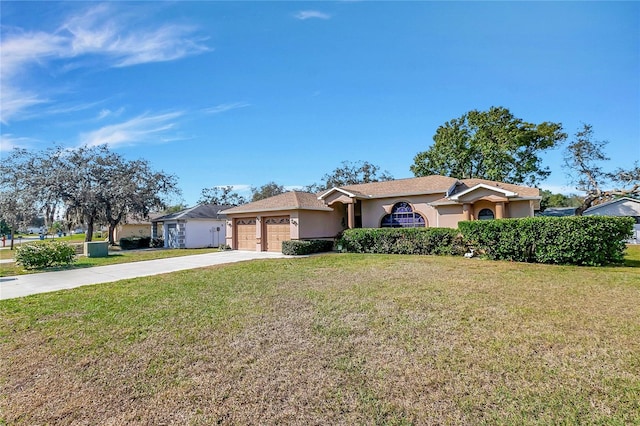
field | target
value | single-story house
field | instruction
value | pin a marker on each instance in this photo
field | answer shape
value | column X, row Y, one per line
column 196, row 227
column 431, row 201
column 134, row 226
column 621, row 207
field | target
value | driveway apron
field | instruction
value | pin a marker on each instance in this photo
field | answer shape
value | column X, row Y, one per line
column 25, row 285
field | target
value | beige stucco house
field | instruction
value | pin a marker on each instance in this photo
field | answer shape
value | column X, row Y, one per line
column 431, row 201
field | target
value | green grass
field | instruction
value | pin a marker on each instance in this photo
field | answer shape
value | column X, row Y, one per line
column 332, row 339
column 115, row 257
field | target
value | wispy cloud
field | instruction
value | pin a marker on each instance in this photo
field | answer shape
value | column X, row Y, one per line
column 104, row 113
column 218, row 109
column 8, row 142
column 100, row 31
column 311, row 14
column 142, row 129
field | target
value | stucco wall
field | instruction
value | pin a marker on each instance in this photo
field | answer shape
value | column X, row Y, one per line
column 519, row 209
column 318, row 224
column 449, row 216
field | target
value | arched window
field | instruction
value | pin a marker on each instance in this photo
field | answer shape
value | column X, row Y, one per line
column 485, row 214
column 402, row 216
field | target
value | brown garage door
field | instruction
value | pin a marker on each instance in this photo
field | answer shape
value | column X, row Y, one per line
column 246, row 234
column 277, row 230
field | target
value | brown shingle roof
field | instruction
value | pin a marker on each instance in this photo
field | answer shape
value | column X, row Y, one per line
column 409, row 186
column 292, row 200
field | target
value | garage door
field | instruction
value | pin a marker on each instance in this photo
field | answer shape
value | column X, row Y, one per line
column 277, row 230
column 246, row 234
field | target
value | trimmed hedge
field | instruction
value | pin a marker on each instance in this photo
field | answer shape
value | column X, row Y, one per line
column 580, row 240
column 43, row 255
column 440, row 241
column 302, row 247
column 132, row 243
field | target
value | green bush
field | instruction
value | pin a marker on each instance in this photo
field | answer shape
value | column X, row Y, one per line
column 580, row 240
column 440, row 241
column 302, row 247
column 156, row 243
column 132, row 243
column 43, row 255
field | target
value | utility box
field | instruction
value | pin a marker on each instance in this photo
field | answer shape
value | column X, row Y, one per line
column 96, row 249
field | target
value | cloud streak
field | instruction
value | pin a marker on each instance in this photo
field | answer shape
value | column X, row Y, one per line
column 218, row 109
column 99, row 31
column 141, row 129
column 303, row 15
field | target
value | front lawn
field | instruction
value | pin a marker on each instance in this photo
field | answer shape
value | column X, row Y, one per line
column 332, row 339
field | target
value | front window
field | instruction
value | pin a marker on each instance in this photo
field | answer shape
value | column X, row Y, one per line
column 402, row 216
column 485, row 214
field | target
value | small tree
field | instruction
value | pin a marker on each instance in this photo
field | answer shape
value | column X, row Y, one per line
column 584, row 157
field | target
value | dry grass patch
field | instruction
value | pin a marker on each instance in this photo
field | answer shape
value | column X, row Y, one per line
column 334, row 339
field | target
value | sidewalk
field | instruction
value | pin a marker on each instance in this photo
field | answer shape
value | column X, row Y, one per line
column 25, row 285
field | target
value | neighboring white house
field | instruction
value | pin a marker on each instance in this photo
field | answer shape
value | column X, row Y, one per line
column 621, row 207
column 196, row 227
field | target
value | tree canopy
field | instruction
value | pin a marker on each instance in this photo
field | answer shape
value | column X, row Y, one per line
column 584, row 157
column 350, row 173
column 91, row 185
column 493, row 145
column 267, row 190
column 221, row 195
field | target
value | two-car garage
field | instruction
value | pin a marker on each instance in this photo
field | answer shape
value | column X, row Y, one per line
column 264, row 224
column 274, row 230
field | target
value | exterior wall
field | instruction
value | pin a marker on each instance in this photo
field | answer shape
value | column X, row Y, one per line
column 374, row 210
column 317, row 224
column 449, row 216
column 133, row 230
column 520, row 209
column 200, row 233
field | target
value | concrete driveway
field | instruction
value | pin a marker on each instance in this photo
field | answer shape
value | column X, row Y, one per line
column 25, row 285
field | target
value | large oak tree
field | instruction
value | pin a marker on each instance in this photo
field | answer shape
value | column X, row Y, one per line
column 493, row 145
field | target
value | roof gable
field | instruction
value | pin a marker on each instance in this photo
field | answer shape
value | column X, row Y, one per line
column 480, row 186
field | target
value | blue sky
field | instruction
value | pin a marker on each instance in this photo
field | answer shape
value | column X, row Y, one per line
column 243, row 93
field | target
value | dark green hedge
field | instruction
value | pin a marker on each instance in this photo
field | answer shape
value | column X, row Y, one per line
column 442, row 241
column 580, row 240
column 132, row 243
column 302, row 247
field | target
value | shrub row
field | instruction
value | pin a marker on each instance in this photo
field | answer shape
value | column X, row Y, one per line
column 132, row 243
column 440, row 241
column 580, row 240
column 43, row 255
column 302, row 247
